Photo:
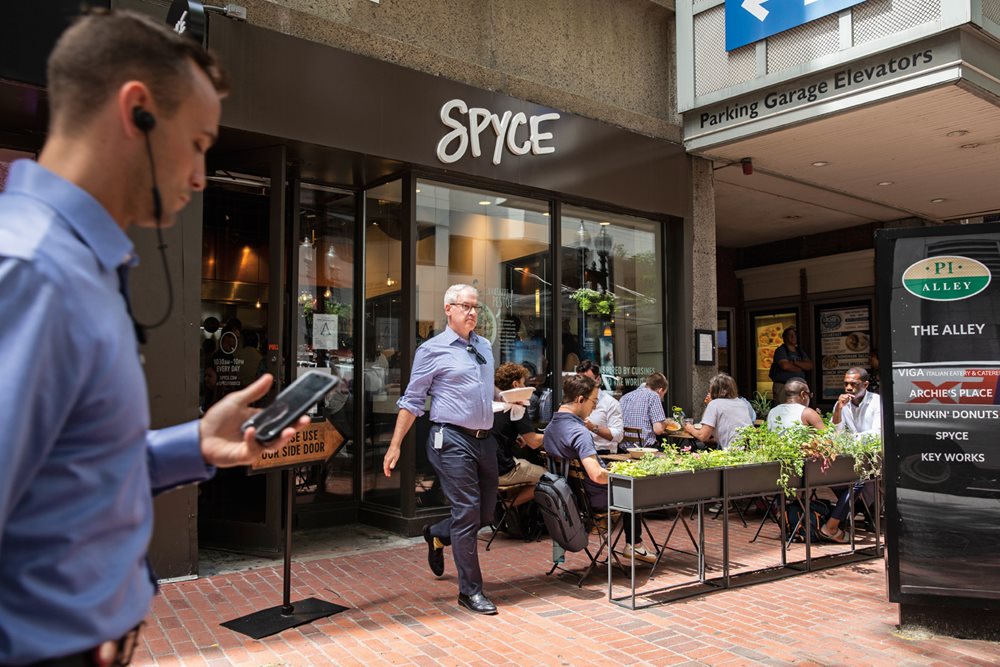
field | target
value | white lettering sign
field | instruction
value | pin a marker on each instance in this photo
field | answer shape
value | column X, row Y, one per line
column 465, row 133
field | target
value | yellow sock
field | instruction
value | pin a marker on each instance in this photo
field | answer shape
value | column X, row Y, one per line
column 438, row 544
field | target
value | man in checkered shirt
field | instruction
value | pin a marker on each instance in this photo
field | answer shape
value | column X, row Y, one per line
column 643, row 409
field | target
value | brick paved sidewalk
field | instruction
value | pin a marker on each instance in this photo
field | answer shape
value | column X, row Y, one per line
column 400, row 614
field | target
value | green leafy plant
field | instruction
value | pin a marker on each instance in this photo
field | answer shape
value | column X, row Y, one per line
column 790, row 447
column 673, row 460
column 334, row 308
column 781, row 445
column 761, row 404
column 594, row 302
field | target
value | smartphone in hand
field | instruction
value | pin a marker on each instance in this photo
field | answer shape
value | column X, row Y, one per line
column 293, row 402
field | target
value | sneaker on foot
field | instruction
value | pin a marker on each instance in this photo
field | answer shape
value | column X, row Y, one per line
column 638, row 552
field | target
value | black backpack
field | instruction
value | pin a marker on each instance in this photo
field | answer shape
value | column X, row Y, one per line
column 819, row 512
column 560, row 511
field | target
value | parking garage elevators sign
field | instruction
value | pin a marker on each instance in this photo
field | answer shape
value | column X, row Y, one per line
column 939, row 299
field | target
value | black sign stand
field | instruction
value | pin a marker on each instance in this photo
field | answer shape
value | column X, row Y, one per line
column 273, row 620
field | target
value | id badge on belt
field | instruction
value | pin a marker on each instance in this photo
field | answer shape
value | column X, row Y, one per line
column 439, row 439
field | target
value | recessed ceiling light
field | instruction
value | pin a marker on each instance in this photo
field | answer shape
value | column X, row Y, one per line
column 546, row 214
column 957, row 133
column 937, row 200
column 605, row 223
column 885, row 183
column 820, row 163
column 970, row 145
column 418, row 191
column 485, row 202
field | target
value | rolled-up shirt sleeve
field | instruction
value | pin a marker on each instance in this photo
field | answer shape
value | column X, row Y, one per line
column 616, row 423
column 174, row 456
column 415, row 397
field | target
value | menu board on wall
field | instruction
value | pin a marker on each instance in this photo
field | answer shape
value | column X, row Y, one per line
column 844, row 332
column 768, row 329
column 939, row 301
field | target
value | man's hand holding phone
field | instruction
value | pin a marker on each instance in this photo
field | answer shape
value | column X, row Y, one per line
column 223, row 442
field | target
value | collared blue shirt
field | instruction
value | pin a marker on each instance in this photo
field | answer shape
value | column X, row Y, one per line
column 461, row 387
column 78, row 464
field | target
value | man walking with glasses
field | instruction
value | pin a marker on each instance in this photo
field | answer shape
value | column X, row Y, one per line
column 455, row 368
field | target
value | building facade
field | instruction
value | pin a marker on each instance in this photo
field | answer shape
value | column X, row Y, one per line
column 370, row 155
column 822, row 128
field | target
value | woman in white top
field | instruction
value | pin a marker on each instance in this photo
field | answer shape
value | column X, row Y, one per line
column 725, row 413
column 795, row 409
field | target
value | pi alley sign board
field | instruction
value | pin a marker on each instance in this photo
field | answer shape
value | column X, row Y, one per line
column 314, row 443
column 748, row 21
column 938, row 302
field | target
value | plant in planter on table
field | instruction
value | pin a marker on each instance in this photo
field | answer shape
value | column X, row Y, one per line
column 761, row 404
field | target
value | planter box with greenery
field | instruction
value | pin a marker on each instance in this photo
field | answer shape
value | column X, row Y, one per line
column 645, row 493
column 840, row 470
column 753, row 479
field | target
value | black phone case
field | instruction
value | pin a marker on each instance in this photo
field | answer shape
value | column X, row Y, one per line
column 281, row 414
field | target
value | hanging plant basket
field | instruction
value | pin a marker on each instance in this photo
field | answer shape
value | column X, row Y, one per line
column 593, row 302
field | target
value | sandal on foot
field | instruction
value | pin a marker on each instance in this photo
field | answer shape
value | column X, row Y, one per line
column 839, row 537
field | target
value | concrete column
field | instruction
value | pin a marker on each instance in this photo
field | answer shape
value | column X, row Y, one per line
column 692, row 284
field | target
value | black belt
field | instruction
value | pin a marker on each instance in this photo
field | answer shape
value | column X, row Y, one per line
column 112, row 653
column 478, row 434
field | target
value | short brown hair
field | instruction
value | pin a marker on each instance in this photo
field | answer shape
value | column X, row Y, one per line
column 102, row 50
column 575, row 386
column 723, row 386
column 508, row 373
column 656, row 381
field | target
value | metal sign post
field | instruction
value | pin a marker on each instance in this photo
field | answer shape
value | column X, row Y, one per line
column 314, row 443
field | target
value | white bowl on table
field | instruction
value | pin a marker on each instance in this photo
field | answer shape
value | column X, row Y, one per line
column 517, row 395
column 639, row 452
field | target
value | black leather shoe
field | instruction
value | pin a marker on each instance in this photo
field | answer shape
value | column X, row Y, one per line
column 435, row 557
column 478, row 603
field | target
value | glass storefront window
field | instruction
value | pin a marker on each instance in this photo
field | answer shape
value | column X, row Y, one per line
column 233, row 337
column 612, row 296
column 324, row 298
column 384, row 232
column 499, row 244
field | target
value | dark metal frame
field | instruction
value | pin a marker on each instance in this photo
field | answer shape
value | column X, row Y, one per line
column 703, row 584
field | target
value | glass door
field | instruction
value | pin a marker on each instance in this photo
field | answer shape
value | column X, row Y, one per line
column 240, row 334
column 323, row 322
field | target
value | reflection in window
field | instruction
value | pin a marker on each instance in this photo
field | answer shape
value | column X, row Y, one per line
column 612, row 304
column 384, row 230
column 324, row 292
column 500, row 246
column 233, row 335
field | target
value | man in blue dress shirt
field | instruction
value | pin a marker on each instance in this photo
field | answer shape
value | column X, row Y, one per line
column 80, row 464
column 455, row 368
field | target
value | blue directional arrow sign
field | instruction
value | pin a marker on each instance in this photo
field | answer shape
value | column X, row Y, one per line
column 749, row 21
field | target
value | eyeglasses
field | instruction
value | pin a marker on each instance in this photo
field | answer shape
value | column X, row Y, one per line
column 480, row 359
column 469, row 307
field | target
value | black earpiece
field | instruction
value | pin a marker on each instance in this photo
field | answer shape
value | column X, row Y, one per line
column 143, row 120
column 146, row 121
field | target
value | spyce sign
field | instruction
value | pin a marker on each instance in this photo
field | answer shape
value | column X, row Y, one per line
column 466, row 132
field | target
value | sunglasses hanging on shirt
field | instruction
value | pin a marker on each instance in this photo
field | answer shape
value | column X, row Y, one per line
column 480, row 359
